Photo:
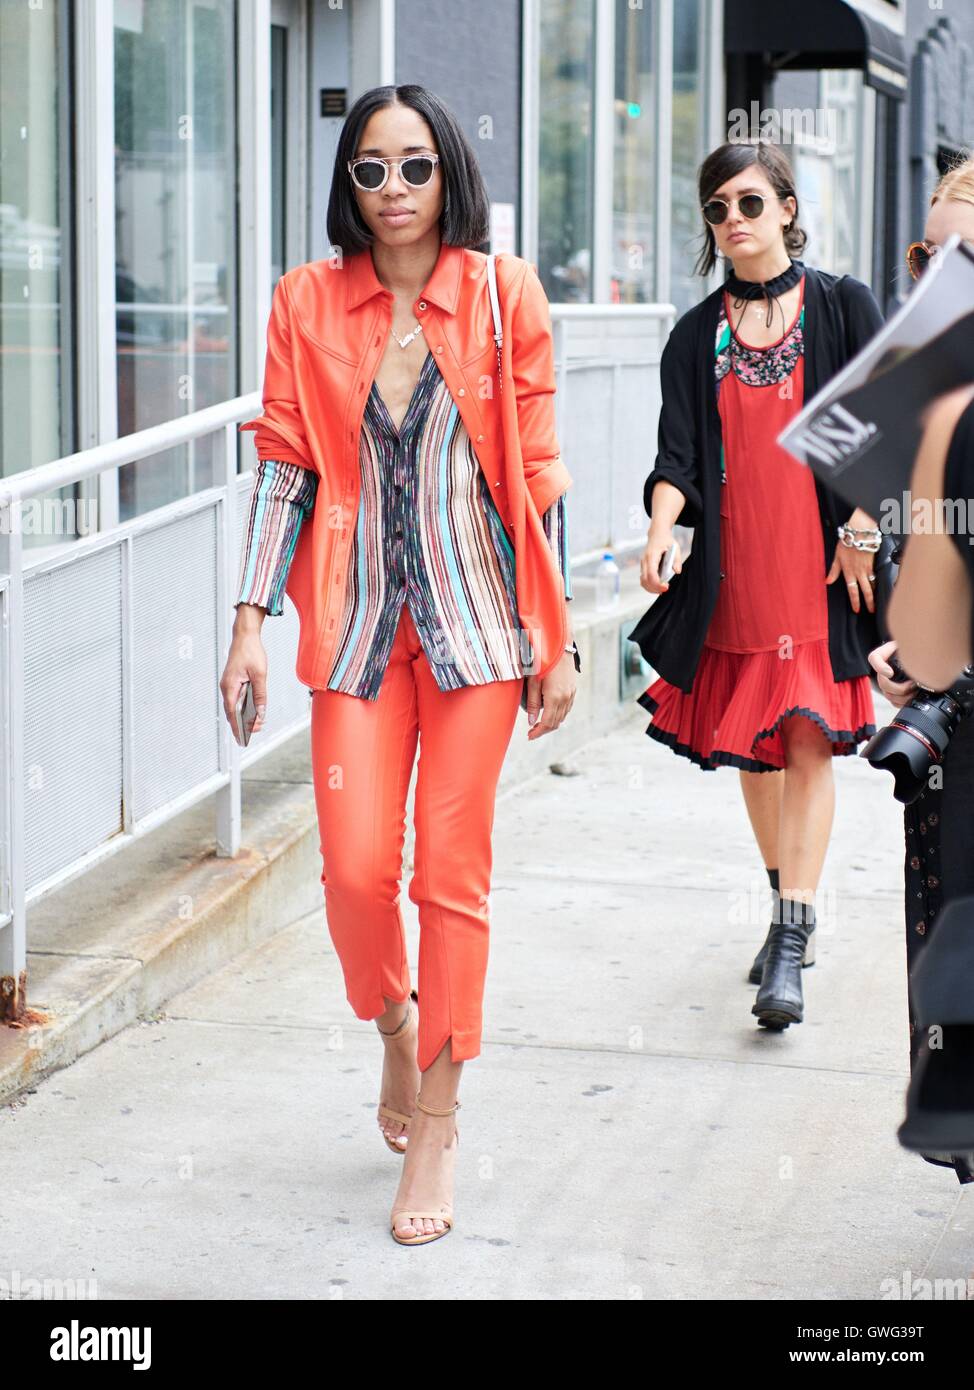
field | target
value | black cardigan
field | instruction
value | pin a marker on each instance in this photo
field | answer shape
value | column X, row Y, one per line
column 841, row 316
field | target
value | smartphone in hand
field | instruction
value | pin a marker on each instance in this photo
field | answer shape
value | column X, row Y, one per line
column 245, row 714
column 666, row 565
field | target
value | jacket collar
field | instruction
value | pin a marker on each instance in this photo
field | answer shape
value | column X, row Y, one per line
column 443, row 286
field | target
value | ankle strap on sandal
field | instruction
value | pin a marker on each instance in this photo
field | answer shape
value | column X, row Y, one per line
column 391, row 1033
column 455, row 1106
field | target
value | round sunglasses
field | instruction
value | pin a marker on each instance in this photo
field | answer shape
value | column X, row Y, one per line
column 751, row 206
column 918, row 257
column 371, row 172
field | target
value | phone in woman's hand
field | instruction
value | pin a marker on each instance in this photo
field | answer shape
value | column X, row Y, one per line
column 245, row 714
column 666, row 564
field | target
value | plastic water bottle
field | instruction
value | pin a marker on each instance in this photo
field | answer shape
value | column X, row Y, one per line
column 607, row 583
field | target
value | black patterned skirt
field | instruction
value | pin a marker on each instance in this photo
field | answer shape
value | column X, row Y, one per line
column 940, row 865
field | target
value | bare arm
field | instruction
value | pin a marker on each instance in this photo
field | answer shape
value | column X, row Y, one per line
column 930, row 611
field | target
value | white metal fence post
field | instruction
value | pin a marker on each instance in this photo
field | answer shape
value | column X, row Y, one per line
column 228, row 809
column 13, row 936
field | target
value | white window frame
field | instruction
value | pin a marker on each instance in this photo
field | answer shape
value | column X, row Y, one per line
column 713, row 124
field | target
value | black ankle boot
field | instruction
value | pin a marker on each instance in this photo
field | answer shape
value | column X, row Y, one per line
column 757, row 967
column 779, row 1000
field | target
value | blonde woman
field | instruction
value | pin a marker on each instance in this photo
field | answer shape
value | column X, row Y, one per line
column 936, row 644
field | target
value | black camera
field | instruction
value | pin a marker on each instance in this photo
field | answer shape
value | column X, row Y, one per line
column 918, row 736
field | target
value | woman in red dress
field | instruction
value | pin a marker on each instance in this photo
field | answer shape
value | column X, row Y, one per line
column 764, row 695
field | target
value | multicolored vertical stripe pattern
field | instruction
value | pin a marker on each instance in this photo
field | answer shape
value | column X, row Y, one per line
column 428, row 532
column 283, row 495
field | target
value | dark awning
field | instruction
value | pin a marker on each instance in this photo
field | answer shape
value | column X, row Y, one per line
column 826, row 34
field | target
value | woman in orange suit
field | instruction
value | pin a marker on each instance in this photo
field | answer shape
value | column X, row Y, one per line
column 405, row 460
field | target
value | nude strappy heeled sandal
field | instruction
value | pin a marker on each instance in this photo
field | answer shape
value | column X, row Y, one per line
column 445, row 1214
column 384, row 1112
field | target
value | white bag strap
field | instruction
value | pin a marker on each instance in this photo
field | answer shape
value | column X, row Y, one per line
column 495, row 309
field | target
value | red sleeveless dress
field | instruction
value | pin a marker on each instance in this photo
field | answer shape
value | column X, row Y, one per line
column 766, row 653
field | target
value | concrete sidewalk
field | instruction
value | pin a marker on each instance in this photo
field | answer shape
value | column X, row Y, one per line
column 627, row 1131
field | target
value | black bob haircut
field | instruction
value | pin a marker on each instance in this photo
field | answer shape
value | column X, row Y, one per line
column 465, row 220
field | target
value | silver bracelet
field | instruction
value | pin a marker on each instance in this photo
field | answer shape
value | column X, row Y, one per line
column 849, row 535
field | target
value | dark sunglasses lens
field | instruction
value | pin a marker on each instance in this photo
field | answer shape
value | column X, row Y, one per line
column 369, row 174
column 919, row 260
column 417, row 171
column 751, row 205
column 715, row 212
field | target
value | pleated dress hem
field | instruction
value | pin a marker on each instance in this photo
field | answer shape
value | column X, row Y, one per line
column 734, row 715
column 722, row 757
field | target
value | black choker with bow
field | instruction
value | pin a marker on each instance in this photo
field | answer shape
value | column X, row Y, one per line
column 743, row 290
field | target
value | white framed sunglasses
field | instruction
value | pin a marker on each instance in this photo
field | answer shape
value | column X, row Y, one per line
column 371, row 172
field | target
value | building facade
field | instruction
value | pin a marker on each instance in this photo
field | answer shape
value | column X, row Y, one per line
column 164, row 160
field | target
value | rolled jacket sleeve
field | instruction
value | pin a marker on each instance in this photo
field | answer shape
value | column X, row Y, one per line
column 555, row 522
column 677, row 458
column 283, row 494
column 279, row 433
column 533, row 365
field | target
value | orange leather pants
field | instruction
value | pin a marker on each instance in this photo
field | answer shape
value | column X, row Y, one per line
column 362, row 754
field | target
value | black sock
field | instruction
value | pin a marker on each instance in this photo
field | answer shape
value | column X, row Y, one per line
column 794, row 912
column 772, row 878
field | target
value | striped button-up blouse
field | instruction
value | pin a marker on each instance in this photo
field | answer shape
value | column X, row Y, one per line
column 428, row 533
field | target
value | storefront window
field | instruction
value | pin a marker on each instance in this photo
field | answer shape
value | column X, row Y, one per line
column 688, row 153
column 830, row 139
column 842, row 96
column 36, row 387
column 567, row 74
column 176, row 232
column 634, row 172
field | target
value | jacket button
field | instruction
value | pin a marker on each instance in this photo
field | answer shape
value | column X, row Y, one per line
column 439, row 347
column 461, row 392
column 480, row 439
column 421, row 304
column 723, row 575
column 497, row 484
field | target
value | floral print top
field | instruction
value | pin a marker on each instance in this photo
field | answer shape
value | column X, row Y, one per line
column 757, row 366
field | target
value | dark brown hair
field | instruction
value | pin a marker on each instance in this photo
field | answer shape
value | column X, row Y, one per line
column 730, row 159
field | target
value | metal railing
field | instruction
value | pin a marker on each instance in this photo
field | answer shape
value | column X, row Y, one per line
column 607, row 403
column 111, row 646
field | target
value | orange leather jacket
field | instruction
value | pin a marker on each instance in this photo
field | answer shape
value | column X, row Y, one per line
column 328, row 329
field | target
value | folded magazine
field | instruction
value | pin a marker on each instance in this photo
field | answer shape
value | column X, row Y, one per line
column 861, row 432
